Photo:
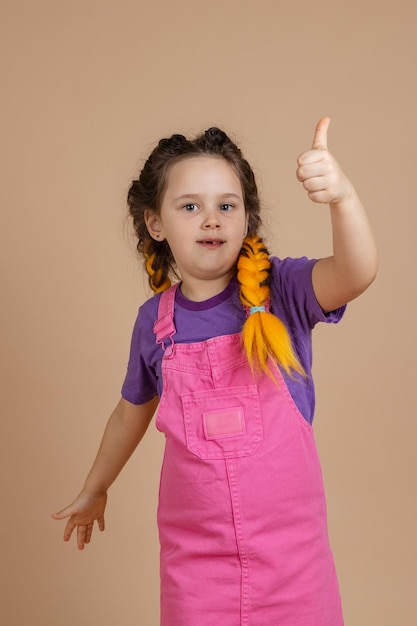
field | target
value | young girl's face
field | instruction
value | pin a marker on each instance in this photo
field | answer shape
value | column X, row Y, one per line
column 203, row 219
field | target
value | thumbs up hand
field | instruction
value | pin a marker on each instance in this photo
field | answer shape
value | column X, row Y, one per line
column 321, row 175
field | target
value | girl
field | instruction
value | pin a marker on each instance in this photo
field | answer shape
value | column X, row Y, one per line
column 226, row 353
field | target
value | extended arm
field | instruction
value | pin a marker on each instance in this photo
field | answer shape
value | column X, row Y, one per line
column 352, row 267
column 125, row 429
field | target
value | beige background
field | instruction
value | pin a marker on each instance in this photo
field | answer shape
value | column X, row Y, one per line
column 88, row 87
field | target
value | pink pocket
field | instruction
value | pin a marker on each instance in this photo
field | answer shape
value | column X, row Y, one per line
column 222, row 423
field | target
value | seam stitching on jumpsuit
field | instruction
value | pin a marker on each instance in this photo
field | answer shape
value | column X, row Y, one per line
column 243, row 555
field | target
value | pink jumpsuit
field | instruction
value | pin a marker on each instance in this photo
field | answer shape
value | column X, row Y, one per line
column 242, row 513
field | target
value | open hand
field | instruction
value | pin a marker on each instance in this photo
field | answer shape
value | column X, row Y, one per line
column 320, row 173
column 82, row 513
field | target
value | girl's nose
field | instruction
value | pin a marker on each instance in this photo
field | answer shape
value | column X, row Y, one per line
column 211, row 220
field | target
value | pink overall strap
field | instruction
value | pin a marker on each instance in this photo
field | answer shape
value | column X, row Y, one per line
column 164, row 327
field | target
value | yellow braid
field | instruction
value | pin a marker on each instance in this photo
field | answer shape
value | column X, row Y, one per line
column 157, row 280
column 264, row 335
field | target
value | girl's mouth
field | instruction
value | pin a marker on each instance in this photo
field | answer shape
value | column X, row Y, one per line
column 211, row 243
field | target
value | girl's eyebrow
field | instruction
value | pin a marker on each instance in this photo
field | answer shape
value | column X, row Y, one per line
column 192, row 196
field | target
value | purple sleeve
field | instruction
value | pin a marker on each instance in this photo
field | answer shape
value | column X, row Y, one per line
column 140, row 383
column 294, row 294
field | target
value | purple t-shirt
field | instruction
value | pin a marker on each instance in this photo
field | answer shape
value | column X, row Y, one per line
column 292, row 300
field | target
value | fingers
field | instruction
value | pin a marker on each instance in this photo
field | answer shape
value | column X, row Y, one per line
column 320, row 134
column 84, row 533
column 71, row 524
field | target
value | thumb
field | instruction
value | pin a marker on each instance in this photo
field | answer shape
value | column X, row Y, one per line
column 320, row 134
column 67, row 512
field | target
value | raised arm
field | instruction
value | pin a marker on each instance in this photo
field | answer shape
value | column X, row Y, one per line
column 352, row 267
column 125, row 429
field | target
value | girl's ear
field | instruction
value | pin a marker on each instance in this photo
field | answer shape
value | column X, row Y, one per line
column 154, row 225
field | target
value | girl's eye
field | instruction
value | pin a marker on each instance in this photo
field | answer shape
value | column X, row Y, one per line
column 226, row 207
column 190, row 207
